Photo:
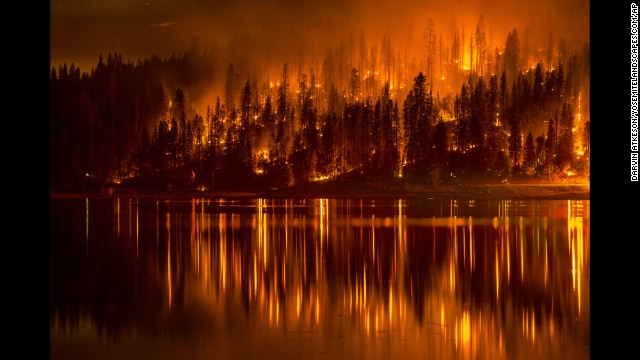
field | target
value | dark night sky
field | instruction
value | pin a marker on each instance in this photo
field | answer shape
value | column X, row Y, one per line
column 82, row 29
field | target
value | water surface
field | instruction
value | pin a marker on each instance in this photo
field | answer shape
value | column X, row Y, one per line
column 134, row 278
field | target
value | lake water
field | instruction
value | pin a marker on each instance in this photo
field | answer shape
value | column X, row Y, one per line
column 134, row 278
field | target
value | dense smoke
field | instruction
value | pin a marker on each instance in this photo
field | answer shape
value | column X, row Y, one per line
column 259, row 36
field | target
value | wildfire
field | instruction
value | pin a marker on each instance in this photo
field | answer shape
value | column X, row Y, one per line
column 320, row 178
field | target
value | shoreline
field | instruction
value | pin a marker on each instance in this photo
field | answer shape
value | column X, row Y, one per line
column 369, row 191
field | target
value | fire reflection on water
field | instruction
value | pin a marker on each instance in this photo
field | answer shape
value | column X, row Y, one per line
column 436, row 285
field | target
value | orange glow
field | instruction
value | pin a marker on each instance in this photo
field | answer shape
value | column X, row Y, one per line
column 533, row 327
column 508, row 260
column 497, row 276
column 471, row 263
column 465, row 329
column 298, row 303
column 378, row 295
column 521, row 242
column 317, row 306
column 320, row 178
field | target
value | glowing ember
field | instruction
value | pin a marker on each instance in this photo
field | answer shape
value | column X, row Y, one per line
column 321, row 178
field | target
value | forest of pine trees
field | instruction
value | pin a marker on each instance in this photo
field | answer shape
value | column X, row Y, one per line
column 119, row 123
